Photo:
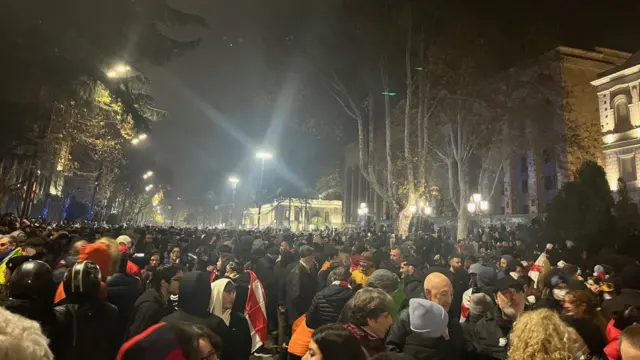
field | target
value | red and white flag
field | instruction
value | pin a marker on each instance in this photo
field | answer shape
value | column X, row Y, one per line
column 256, row 312
column 536, row 268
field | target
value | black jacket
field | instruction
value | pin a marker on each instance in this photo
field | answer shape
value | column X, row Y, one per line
column 401, row 336
column 148, row 310
column 45, row 316
column 122, row 291
column 91, row 331
column 460, row 282
column 237, row 344
column 265, row 271
column 619, row 303
column 421, row 348
column 327, row 305
column 592, row 335
column 301, row 288
column 193, row 304
column 488, row 338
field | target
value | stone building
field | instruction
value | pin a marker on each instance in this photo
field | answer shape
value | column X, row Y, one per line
column 555, row 144
column 296, row 214
column 558, row 142
column 619, row 105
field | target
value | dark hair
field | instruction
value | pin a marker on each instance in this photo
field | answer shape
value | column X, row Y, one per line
column 339, row 274
column 626, row 318
column 596, row 280
column 391, row 356
column 525, row 280
column 586, row 298
column 204, row 333
column 164, row 272
column 368, row 303
column 237, row 266
column 337, row 343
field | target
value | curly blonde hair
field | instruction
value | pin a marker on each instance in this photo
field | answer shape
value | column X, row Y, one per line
column 541, row 335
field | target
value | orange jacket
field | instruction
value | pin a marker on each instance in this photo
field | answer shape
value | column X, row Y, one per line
column 299, row 343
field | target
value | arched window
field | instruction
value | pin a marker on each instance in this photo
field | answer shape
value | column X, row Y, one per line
column 326, row 217
column 621, row 110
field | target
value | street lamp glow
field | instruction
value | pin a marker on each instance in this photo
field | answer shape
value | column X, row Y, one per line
column 142, row 136
column 428, row 210
column 111, row 74
column 234, row 180
column 471, row 207
column 149, row 187
column 413, row 208
column 476, row 198
column 135, row 141
column 363, row 205
column 484, row 205
column 264, row 155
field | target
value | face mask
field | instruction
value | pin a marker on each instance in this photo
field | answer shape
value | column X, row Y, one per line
column 559, row 294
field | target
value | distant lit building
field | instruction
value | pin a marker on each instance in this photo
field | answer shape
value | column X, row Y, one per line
column 619, row 103
column 296, row 214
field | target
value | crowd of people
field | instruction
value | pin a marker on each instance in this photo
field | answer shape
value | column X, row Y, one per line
column 85, row 291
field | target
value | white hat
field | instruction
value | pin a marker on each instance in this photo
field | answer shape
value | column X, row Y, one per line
column 124, row 239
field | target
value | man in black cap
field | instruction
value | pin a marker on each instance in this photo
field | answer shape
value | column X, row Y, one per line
column 489, row 337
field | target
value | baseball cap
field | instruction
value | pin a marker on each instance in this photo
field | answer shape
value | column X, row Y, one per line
column 508, row 282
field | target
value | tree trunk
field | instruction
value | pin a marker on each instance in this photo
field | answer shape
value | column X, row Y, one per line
column 463, row 184
column 407, row 106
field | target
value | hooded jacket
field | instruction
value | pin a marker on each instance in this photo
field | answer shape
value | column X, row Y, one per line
column 489, row 336
column 328, row 304
column 193, row 304
column 612, row 350
column 237, row 344
column 99, row 254
column 511, row 266
column 148, row 310
column 122, row 291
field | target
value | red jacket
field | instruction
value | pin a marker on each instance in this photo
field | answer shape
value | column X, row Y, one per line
column 613, row 336
column 133, row 270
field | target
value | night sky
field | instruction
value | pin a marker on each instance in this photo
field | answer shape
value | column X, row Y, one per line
column 216, row 94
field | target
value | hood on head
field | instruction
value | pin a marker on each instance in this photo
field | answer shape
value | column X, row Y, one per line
column 511, row 262
column 486, row 277
column 99, row 254
column 195, row 293
column 217, row 292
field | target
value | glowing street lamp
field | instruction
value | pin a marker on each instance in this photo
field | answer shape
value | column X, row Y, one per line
column 118, row 71
column 148, row 187
column 477, row 205
column 413, row 208
column 263, row 156
column 138, row 139
column 428, row 210
column 147, row 175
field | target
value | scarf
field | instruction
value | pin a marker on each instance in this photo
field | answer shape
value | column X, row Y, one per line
column 341, row 283
column 217, row 293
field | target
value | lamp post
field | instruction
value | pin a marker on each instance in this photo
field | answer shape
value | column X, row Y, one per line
column 147, row 175
column 476, row 205
column 234, row 183
column 363, row 211
column 262, row 156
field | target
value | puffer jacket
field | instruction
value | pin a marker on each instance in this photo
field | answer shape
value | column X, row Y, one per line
column 488, row 338
column 612, row 350
column 327, row 305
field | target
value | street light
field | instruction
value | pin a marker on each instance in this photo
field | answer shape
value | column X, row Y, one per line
column 428, row 210
column 263, row 156
column 234, row 183
column 141, row 137
column 148, row 187
column 413, row 208
column 118, row 71
column 477, row 205
column 147, row 175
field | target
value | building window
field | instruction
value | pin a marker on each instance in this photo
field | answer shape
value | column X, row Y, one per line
column 326, row 217
column 502, row 210
column 525, row 186
column 286, row 214
column 548, row 183
column 523, row 165
column 621, row 111
column 628, row 168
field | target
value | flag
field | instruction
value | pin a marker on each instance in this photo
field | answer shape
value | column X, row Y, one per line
column 256, row 312
column 534, row 273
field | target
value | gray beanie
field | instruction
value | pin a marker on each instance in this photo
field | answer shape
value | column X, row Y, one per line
column 480, row 303
column 427, row 318
column 384, row 280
